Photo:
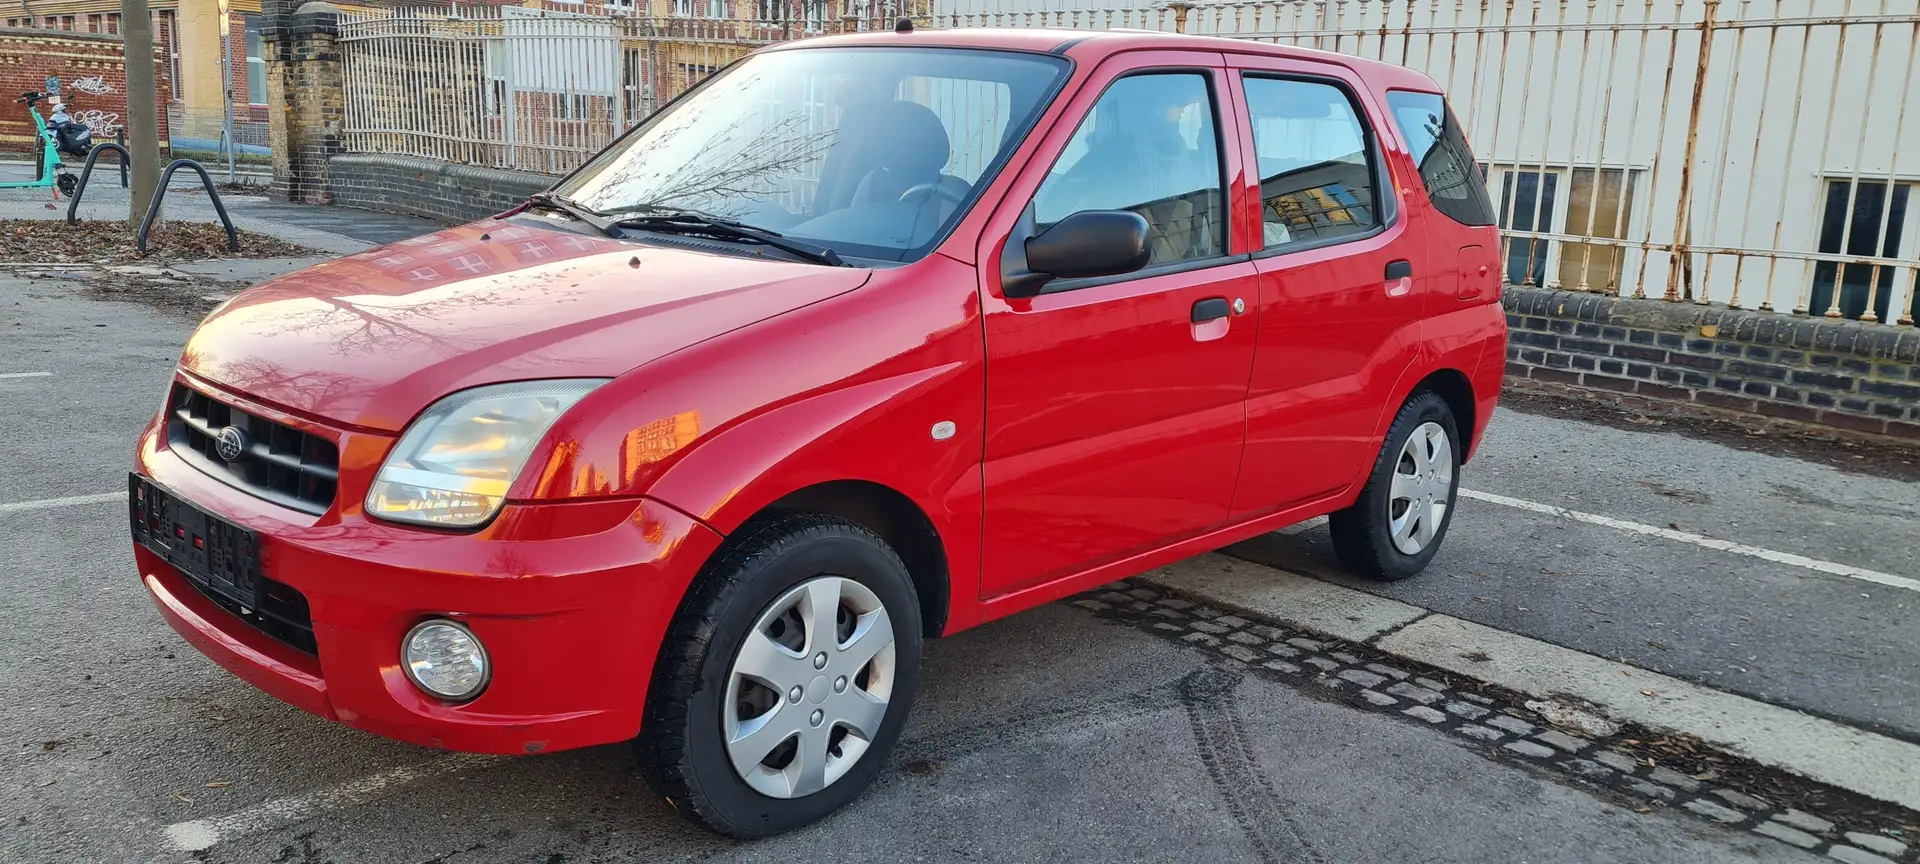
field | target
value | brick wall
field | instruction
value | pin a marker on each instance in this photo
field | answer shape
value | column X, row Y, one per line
column 306, row 101
column 1841, row 374
column 28, row 57
column 428, row 187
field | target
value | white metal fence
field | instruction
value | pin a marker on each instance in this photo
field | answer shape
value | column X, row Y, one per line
column 1747, row 152
column 539, row 89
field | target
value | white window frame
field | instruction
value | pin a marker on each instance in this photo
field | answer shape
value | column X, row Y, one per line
column 1556, row 220
column 256, row 63
column 1905, row 284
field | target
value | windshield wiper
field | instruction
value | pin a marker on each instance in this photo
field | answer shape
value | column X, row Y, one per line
column 687, row 222
column 556, row 201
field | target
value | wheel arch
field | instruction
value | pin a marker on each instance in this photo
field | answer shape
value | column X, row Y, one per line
column 898, row 520
column 1452, row 386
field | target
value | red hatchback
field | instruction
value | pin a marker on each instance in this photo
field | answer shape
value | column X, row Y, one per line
column 863, row 341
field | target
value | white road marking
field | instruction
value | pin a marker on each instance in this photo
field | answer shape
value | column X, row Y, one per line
column 54, row 503
column 1849, row 571
column 7, row 375
column 280, row 812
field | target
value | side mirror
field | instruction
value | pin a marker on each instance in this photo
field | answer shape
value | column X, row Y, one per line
column 1084, row 245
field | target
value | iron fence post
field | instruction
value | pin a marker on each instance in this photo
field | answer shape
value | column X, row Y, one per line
column 1681, row 266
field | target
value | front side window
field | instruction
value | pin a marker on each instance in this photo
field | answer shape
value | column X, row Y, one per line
column 875, row 153
column 1150, row 145
column 1317, row 165
column 1439, row 147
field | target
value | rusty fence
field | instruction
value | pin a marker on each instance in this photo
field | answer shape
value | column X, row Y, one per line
column 1745, row 152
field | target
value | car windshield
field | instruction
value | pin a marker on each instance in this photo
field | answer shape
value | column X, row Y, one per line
column 871, row 152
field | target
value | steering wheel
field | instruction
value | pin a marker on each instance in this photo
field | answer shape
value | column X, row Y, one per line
column 937, row 188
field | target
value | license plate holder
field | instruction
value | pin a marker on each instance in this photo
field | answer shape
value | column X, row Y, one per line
column 215, row 555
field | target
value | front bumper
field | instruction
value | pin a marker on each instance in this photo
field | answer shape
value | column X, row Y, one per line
column 572, row 601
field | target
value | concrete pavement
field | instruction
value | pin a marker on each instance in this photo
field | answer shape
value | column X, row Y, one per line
column 1061, row 734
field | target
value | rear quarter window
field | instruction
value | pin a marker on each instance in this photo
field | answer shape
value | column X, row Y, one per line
column 1439, row 147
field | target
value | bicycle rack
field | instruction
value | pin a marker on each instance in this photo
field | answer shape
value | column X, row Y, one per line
column 73, row 202
column 160, row 194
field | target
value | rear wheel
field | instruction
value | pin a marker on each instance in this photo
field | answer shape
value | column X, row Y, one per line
column 786, row 677
column 1403, row 513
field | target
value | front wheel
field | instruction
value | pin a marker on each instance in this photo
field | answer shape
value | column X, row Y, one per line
column 786, row 677
column 1402, row 515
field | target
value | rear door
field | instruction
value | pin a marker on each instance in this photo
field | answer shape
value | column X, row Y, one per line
column 1341, row 276
column 1115, row 406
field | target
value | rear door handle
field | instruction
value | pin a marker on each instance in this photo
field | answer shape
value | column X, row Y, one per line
column 1401, row 269
column 1211, row 309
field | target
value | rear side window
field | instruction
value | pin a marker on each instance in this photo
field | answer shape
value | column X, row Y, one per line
column 1316, row 163
column 1439, row 147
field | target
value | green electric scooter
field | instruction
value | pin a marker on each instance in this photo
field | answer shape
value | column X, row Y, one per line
column 48, row 170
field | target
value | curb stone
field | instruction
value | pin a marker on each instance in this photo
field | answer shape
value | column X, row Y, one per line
column 1350, row 672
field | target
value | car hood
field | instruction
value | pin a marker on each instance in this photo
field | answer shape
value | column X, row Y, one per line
column 371, row 339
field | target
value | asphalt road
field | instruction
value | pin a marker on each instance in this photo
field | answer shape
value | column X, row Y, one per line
column 1828, row 645
column 1054, row 735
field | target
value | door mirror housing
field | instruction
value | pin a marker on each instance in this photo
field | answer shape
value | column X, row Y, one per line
column 1084, row 245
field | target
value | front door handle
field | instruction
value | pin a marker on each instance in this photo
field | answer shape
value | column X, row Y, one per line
column 1211, row 309
column 1402, row 269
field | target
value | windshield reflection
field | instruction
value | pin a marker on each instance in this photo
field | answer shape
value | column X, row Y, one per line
column 871, row 152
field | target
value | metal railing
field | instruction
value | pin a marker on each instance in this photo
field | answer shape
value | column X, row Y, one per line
column 1746, row 152
column 539, row 89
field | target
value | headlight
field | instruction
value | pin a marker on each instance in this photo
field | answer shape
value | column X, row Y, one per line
column 453, row 465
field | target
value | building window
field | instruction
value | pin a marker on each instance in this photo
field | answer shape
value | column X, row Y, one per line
column 95, row 23
column 113, row 22
column 694, row 74
column 1869, row 228
column 1584, row 202
column 700, row 8
column 256, row 62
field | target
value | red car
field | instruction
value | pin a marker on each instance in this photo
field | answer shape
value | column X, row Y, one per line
column 863, row 341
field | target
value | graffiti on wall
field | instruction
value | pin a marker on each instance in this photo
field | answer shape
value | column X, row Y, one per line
column 93, row 85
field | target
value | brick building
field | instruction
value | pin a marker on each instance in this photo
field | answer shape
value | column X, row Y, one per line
column 93, row 78
column 188, row 33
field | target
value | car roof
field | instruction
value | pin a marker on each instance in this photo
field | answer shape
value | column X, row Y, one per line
column 1093, row 46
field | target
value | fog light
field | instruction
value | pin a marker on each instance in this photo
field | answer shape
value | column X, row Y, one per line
column 445, row 659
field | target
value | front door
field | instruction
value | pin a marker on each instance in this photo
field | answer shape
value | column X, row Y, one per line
column 1115, row 406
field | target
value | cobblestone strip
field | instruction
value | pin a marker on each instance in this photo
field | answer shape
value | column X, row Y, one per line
column 1497, row 724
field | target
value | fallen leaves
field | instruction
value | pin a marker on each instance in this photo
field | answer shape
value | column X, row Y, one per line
column 104, row 242
column 219, row 784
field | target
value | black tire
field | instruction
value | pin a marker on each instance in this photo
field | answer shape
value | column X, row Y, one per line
column 681, row 750
column 1363, row 533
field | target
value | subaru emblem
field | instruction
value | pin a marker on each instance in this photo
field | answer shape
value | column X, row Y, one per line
column 230, row 444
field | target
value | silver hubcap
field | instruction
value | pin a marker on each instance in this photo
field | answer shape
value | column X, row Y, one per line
column 1422, row 486
column 809, row 688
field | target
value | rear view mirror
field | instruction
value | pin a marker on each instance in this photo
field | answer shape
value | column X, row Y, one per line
column 1084, row 245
